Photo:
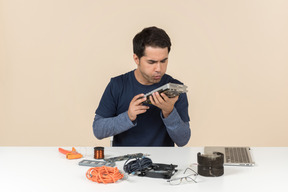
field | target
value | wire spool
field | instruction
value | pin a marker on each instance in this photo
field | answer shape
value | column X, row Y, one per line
column 98, row 152
column 104, row 174
column 210, row 165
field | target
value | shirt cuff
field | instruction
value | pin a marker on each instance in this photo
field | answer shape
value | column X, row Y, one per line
column 127, row 119
column 172, row 119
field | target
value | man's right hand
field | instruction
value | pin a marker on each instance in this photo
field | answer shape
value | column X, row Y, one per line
column 136, row 107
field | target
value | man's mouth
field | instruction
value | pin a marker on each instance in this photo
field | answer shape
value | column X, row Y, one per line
column 157, row 77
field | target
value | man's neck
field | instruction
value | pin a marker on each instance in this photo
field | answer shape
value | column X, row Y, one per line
column 140, row 79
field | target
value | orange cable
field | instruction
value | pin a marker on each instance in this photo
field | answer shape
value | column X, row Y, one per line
column 104, row 174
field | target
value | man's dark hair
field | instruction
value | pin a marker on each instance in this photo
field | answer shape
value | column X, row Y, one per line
column 150, row 36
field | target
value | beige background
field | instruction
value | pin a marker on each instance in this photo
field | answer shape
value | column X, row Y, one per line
column 57, row 57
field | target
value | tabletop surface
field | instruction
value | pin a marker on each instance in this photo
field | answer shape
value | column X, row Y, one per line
column 45, row 169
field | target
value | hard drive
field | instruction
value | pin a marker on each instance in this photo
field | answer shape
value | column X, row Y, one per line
column 170, row 89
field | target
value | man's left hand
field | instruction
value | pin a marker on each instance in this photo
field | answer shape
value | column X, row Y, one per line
column 163, row 102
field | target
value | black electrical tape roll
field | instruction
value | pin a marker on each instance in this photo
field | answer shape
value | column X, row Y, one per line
column 211, row 165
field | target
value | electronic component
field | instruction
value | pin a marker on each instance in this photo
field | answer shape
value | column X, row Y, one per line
column 98, row 152
column 93, row 163
column 170, row 89
column 159, row 170
column 146, row 168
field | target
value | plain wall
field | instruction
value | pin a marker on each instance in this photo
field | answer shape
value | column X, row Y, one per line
column 57, row 56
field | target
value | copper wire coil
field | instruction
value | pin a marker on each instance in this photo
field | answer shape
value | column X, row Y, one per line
column 99, row 152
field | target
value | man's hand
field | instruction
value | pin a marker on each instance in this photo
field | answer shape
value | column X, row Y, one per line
column 136, row 107
column 163, row 102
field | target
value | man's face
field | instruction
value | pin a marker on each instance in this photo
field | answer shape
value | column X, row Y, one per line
column 152, row 66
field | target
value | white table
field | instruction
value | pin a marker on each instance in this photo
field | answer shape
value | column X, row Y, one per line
column 45, row 169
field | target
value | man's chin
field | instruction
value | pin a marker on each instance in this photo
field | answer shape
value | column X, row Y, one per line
column 156, row 81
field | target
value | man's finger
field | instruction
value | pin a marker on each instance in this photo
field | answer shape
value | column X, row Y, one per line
column 164, row 96
column 141, row 109
column 138, row 99
column 157, row 97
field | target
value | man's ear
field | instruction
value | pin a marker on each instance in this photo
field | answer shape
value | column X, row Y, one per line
column 136, row 59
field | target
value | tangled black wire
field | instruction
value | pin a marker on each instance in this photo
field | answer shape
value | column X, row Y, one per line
column 138, row 165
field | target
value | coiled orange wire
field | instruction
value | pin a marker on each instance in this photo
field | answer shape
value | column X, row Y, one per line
column 104, row 174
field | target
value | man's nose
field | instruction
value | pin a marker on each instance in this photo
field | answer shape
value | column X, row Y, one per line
column 158, row 66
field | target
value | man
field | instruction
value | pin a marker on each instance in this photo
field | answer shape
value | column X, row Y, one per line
column 121, row 112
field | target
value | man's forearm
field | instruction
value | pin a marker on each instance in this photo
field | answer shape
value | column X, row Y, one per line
column 107, row 127
column 178, row 130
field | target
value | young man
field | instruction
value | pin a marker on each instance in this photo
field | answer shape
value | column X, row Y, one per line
column 121, row 112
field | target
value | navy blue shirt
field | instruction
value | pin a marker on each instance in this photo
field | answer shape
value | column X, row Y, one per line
column 149, row 129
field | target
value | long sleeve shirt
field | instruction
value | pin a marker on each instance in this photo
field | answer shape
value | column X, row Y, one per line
column 149, row 128
column 178, row 130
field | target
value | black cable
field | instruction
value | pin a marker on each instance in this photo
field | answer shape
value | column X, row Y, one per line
column 140, row 164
